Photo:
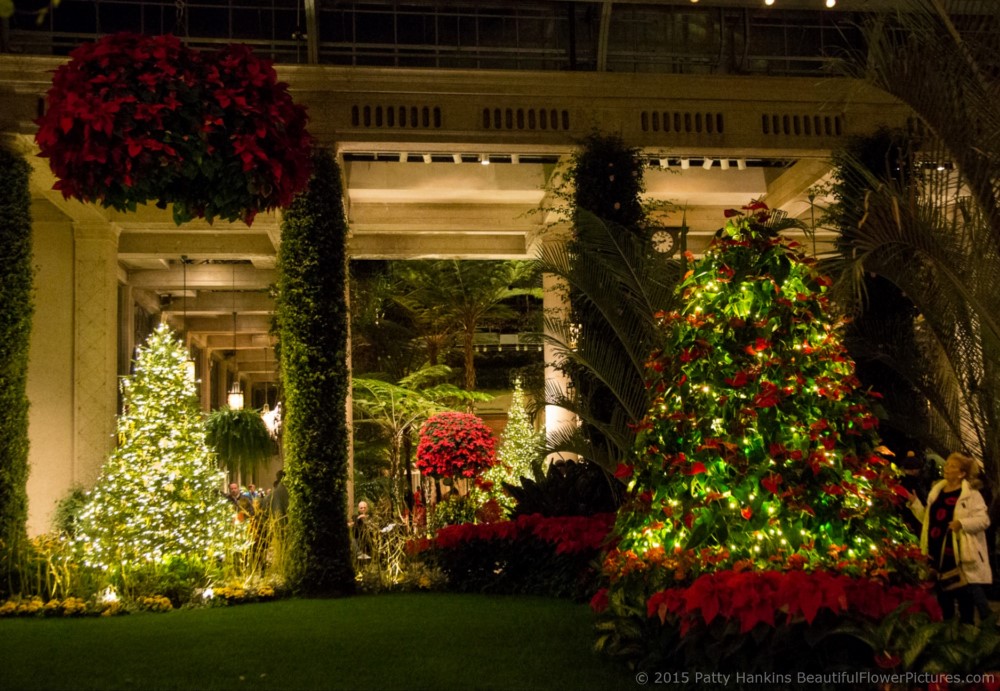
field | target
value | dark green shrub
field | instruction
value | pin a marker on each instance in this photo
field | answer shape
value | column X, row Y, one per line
column 567, row 488
column 312, row 327
column 68, row 511
column 15, row 328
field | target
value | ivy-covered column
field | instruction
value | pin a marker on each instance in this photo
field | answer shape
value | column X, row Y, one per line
column 312, row 324
column 95, row 367
column 15, row 328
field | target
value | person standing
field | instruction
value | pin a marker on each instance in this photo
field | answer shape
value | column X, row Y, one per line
column 240, row 501
column 953, row 534
column 278, row 501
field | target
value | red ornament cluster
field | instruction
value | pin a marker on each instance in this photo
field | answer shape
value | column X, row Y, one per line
column 455, row 445
column 134, row 119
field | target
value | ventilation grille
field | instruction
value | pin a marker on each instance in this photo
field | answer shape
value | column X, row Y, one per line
column 525, row 119
column 682, row 122
column 802, row 125
column 398, row 117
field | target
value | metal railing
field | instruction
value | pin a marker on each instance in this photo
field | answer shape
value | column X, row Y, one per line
column 512, row 35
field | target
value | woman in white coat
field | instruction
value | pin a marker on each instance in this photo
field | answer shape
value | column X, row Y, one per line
column 953, row 533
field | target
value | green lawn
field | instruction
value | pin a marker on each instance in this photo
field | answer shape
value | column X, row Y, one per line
column 402, row 641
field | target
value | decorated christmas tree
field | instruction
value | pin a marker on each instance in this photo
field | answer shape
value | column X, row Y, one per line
column 759, row 492
column 158, row 497
column 520, row 446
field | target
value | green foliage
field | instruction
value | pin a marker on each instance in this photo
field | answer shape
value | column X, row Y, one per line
column 453, row 509
column 450, row 299
column 615, row 282
column 312, row 321
column 566, row 488
column 883, row 328
column 68, row 509
column 608, row 181
column 176, row 579
column 240, row 440
column 919, row 644
column 158, row 497
column 16, row 309
column 523, row 566
column 935, row 233
column 396, row 412
column 48, row 567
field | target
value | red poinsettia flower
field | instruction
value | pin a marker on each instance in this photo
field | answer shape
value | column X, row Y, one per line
column 455, row 444
column 623, row 471
column 772, row 482
column 144, row 119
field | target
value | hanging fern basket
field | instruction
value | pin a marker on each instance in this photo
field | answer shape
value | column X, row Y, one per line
column 240, row 439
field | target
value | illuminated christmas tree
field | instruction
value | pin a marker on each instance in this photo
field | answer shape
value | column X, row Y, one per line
column 520, row 446
column 758, row 493
column 158, row 497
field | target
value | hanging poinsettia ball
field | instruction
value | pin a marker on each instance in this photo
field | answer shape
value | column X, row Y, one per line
column 455, row 445
column 134, row 119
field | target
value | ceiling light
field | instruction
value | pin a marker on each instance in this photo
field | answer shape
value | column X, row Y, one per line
column 724, row 163
column 685, row 163
column 457, row 158
column 189, row 366
column 831, row 3
column 484, row 159
column 427, row 158
column 741, row 163
column 707, row 164
column 235, row 397
column 768, row 2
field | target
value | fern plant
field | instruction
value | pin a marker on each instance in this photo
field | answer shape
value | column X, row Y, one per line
column 240, row 440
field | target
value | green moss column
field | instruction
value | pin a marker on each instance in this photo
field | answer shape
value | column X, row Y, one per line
column 15, row 329
column 313, row 335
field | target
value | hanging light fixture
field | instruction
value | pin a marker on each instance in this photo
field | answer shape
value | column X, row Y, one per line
column 235, row 397
column 271, row 418
column 189, row 368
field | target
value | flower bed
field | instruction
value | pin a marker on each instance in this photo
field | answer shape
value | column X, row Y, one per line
column 536, row 555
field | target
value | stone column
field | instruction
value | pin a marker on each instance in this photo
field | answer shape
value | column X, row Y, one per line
column 205, row 383
column 95, row 346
